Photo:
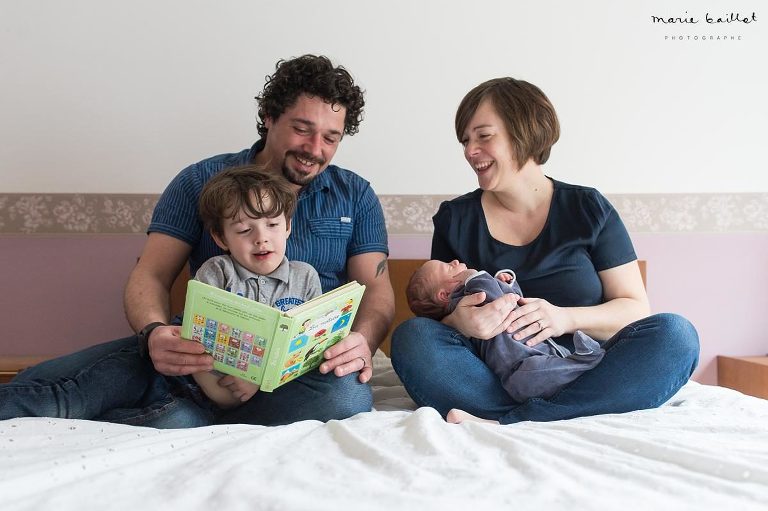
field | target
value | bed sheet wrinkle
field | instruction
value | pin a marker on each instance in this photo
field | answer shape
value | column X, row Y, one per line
column 410, row 470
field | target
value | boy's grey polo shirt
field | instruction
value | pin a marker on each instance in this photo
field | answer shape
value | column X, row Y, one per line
column 291, row 284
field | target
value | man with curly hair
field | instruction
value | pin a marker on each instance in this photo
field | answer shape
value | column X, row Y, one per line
column 305, row 109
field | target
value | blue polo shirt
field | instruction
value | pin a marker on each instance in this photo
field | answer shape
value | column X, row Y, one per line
column 337, row 216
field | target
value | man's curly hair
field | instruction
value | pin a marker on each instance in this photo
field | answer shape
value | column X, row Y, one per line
column 315, row 76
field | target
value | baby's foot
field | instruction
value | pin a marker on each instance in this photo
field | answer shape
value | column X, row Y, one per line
column 456, row 416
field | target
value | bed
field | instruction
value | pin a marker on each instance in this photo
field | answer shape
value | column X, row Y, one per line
column 707, row 448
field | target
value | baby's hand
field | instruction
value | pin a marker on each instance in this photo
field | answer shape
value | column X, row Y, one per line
column 505, row 277
column 241, row 390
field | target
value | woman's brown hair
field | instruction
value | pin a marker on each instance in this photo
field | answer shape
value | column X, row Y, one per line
column 527, row 113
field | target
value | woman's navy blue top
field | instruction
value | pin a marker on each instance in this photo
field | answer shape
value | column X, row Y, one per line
column 583, row 235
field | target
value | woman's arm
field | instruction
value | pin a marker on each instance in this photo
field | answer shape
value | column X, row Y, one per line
column 625, row 302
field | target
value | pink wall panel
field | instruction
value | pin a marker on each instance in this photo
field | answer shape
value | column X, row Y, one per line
column 719, row 282
column 60, row 294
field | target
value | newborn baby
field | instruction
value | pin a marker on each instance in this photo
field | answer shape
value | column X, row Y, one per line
column 525, row 371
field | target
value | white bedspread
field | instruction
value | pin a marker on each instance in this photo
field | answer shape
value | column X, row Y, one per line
column 705, row 449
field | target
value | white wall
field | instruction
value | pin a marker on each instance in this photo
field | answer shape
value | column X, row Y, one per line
column 114, row 96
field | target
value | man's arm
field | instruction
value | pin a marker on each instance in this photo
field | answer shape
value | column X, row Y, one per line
column 377, row 309
column 146, row 300
column 373, row 319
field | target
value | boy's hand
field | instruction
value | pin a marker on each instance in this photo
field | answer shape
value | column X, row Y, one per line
column 504, row 277
column 242, row 390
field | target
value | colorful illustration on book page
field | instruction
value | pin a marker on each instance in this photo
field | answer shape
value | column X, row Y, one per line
column 305, row 350
column 230, row 346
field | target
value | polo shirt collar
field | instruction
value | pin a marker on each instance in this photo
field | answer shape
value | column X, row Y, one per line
column 281, row 273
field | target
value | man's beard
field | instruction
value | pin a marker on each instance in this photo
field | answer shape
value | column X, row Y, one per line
column 296, row 178
column 299, row 178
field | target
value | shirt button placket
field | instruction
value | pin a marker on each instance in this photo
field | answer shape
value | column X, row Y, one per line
column 262, row 281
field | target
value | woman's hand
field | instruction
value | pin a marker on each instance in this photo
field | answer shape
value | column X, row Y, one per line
column 485, row 321
column 538, row 317
column 625, row 302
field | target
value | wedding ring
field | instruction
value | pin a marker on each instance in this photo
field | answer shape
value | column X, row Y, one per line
column 364, row 364
column 540, row 327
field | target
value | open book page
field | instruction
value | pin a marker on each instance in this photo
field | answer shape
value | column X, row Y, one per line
column 317, row 325
column 236, row 331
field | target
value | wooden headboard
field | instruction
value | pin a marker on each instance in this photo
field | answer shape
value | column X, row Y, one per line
column 400, row 270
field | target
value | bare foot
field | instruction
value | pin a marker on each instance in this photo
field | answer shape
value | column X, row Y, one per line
column 456, row 416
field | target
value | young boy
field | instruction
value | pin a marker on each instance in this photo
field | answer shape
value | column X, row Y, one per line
column 249, row 213
column 525, row 371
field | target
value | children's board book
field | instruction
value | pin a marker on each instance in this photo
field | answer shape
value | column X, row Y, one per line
column 262, row 344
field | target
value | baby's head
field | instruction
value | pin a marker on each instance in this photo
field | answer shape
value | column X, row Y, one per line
column 248, row 213
column 430, row 287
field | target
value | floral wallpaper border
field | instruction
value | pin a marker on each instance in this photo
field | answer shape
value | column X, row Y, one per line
column 35, row 213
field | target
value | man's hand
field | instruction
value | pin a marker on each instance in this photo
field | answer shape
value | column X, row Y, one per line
column 482, row 322
column 174, row 356
column 349, row 355
column 241, row 389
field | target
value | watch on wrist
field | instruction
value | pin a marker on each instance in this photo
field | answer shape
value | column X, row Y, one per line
column 144, row 338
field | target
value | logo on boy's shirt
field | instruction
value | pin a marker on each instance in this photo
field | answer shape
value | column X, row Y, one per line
column 288, row 303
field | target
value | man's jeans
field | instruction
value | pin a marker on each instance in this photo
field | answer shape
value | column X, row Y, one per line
column 644, row 365
column 110, row 382
column 85, row 394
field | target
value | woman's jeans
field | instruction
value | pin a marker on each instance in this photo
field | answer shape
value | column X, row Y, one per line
column 111, row 382
column 645, row 363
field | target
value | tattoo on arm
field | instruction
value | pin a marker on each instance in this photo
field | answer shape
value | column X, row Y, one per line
column 381, row 267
